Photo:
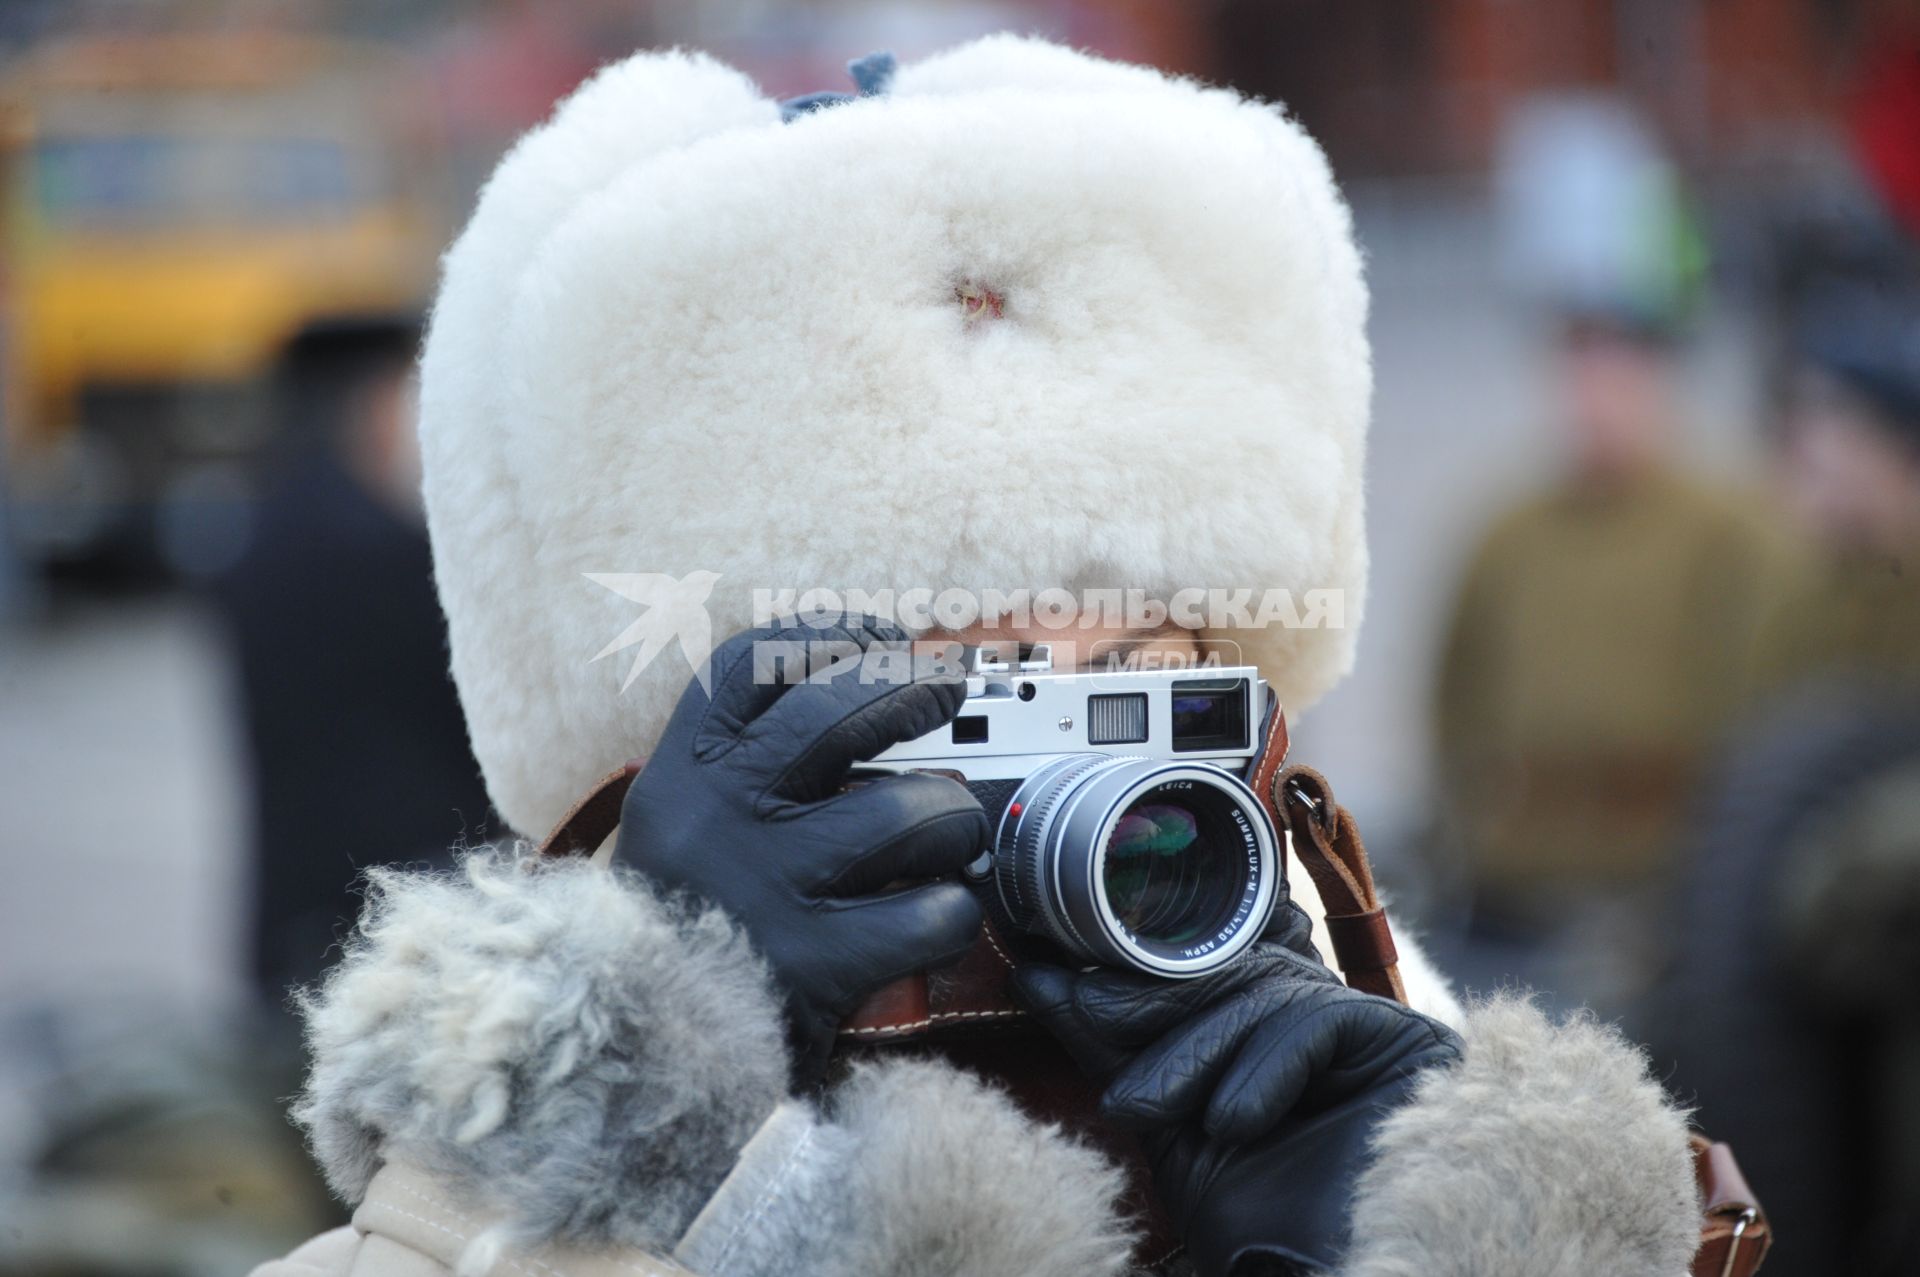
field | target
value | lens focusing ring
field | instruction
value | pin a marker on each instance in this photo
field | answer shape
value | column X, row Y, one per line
column 1019, row 868
column 1049, row 866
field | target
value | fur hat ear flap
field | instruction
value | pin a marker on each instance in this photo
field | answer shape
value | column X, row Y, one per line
column 641, row 107
column 626, row 113
column 635, row 110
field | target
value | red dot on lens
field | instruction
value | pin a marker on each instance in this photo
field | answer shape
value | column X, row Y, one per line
column 1014, row 811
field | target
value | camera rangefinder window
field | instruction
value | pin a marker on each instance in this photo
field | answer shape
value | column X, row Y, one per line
column 1119, row 718
column 1209, row 714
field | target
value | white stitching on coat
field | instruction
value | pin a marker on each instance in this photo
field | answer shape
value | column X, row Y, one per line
column 768, row 1196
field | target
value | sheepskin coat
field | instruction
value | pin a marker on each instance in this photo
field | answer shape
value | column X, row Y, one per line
column 550, row 1070
column 1025, row 319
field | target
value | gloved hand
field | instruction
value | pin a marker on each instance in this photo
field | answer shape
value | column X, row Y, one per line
column 1256, row 1090
column 742, row 805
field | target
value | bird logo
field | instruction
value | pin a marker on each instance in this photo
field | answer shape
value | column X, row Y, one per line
column 674, row 609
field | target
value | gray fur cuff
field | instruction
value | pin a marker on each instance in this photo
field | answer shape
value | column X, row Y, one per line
column 556, row 1045
column 953, row 1179
column 919, row 1170
column 1547, row 1151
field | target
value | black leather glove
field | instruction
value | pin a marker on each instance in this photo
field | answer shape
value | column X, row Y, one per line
column 742, row 805
column 1256, row 1090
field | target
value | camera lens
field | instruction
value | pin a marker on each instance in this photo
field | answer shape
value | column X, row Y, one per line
column 1162, row 866
column 1174, row 865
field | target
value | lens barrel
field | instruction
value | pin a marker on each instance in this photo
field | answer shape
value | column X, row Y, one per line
column 1163, row 866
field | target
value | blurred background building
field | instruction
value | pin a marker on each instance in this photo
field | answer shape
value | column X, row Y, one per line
column 1628, row 720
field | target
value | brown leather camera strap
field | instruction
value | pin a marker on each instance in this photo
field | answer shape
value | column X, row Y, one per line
column 1328, row 846
column 588, row 823
column 1734, row 1235
column 974, row 994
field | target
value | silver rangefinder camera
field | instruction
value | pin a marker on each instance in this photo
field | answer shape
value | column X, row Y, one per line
column 1124, row 833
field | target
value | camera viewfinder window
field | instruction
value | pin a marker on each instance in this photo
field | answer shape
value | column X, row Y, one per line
column 1209, row 714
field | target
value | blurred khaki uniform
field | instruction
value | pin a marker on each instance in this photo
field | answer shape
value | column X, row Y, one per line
column 1856, row 615
column 1601, row 641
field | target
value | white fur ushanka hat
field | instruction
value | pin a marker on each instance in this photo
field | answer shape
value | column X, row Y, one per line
column 681, row 336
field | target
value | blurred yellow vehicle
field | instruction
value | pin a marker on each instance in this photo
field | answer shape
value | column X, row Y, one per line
column 177, row 207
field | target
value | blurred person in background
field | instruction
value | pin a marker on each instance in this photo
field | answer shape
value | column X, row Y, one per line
column 1851, row 473
column 1597, row 648
column 357, row 748
column 1787, row 1010
column 1600, row 637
